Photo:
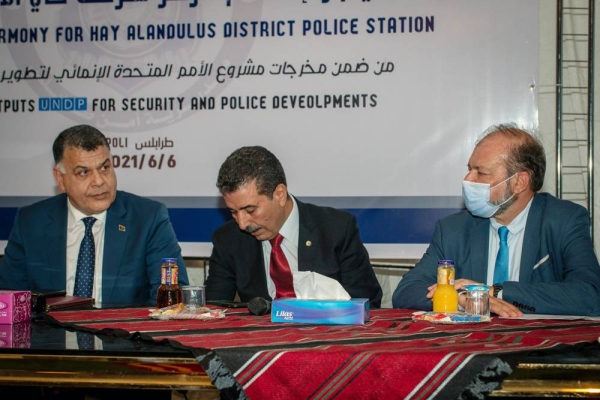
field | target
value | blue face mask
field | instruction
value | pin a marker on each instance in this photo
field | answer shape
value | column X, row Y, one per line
column 477, row 198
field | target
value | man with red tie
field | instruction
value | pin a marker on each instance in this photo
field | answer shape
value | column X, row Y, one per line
column 273, row 234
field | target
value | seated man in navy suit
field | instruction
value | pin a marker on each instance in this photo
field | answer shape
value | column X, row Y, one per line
column 312, row 238
column 121, row 249
column 546, row 264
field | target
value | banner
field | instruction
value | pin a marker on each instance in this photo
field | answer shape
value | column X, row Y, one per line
column 371, row 106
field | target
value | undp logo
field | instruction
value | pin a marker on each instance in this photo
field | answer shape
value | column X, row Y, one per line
column 63, row 104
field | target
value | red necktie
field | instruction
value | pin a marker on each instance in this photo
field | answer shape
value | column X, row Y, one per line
column 280, row 270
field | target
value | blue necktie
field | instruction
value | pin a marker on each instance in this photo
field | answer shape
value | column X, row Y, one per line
column 84, row 277
column 501, row 268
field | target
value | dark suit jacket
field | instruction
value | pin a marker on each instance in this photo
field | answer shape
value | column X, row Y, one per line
column 35, row 256
column 559, row 272
column 336, row 251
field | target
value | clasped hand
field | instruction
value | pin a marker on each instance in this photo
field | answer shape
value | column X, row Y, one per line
column 497, row 306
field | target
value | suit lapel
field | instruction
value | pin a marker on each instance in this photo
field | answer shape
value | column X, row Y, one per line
column 254, row 258
column 531, row 240
column 115, row 238
column 55, row 234
column 307, row 249
column 479, row 239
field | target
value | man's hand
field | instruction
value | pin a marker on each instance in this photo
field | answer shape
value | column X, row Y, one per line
column 431, row 290
column 458, row 284
column 504, row 309
column 497, row 306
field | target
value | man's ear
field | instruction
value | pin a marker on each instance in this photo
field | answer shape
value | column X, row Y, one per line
column 522, row 182
column 58, row 176
column 280, row 194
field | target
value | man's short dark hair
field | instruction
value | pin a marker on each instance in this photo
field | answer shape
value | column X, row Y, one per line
column 83, row 137
column 526, row 154
column 247, row 164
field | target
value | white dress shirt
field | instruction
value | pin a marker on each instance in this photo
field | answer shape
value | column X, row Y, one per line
column 516, row 233
column 75, row 232
column 290, row 232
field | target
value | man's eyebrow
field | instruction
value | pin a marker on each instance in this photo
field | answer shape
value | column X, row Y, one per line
column 81, row 166
column 88, row 167
column 242, row 208
column 102, row 164
column 479, row 167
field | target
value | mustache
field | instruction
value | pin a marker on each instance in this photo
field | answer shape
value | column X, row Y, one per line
column 252, row 228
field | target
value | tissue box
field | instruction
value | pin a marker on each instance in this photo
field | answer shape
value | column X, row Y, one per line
column 332, row 312
column 15, row 306
column 16, row 335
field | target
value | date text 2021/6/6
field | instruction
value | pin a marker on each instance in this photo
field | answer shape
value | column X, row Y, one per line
column 141, row 161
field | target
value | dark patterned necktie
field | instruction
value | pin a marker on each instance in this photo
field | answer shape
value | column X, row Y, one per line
column 501, row 268
column 84, row 277
column 280, row 270
column 85, row 341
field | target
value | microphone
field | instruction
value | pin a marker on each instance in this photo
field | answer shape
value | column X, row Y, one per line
column 259, row 306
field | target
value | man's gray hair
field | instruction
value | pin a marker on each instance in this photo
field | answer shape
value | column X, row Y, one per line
column 526, row 152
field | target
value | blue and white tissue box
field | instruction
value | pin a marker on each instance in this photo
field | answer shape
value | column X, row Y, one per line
column 328, row 312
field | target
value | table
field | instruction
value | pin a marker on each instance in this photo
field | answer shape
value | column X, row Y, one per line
column 47, row 358
column 391, row 355
column 572, row 374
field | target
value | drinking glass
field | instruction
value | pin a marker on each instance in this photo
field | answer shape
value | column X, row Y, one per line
column 193, row 298
column 478, row 300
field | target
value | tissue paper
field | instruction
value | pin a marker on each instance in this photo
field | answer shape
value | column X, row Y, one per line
column 312, row 285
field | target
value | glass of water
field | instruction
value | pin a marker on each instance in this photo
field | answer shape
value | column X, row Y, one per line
column 478, row 300
column 193, row 298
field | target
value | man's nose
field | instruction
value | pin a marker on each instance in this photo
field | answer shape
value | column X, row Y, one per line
column 243, row 220
column 97, row 178
column 470, row 176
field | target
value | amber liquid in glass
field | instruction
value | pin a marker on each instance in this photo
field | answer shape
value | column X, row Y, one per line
column 169, row 293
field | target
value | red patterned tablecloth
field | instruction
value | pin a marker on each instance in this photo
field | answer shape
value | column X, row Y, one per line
column 389, row 357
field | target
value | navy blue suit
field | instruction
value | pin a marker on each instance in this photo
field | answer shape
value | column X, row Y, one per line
column 138, row 234
column 328, row 243
column 559, row 272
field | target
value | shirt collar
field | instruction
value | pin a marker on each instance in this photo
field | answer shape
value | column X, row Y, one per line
column 75, row 216
column 290, row 227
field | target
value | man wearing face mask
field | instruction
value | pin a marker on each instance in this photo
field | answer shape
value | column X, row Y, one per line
column 531, row 248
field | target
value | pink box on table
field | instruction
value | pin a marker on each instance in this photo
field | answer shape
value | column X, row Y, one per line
column 16, row 335
column 15, row 306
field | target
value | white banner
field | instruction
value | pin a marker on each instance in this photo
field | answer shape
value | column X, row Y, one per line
column 378, row 99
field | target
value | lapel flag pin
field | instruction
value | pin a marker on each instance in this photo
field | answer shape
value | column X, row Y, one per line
column 308, row 243
column 122, row 228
